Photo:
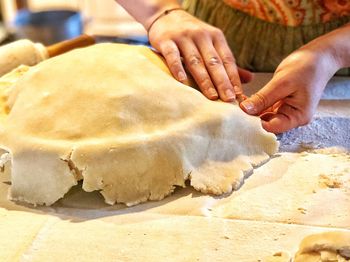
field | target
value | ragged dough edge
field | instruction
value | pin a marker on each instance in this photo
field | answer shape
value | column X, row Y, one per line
column 87, row 163
column 57, row 181
column 46, row 184
column 61, row 167
column 328, row 246
column 205, row 184
column 61, row 181
column 82, row 162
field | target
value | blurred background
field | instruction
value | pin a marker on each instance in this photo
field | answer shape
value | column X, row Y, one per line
column 51, row 21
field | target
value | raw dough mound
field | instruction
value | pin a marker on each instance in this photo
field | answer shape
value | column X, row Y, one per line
column 328, row 246
column 113, row 116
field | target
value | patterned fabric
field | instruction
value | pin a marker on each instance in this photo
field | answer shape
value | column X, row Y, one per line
column 293, row 12
column 259, row 45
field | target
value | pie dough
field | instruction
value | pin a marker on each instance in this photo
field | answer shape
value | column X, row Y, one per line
column 328, row 246
column 6, row 82
column 112, row 116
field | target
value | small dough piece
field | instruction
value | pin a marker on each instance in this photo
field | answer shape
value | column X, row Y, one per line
column 328, row 246
column 113, row 116
column 278, row 257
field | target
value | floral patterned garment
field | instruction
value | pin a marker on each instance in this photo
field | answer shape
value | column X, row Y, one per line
column 293, row 12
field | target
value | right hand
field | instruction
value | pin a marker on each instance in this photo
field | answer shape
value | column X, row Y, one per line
column 290, row 99
column 205, row 52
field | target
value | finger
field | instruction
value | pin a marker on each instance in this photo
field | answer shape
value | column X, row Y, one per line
column 173, row 59
column 228, row 61
column 273, row 108
column 271, row 93
column 285, row 119
column 277, row 124
column 216, row 69
column 195, row 65
column 245, row 75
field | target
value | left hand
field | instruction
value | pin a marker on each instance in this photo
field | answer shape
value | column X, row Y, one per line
column 291, row 97
column 205, row 52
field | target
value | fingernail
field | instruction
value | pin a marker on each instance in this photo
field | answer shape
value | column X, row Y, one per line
column 181, row 76
column 237, row 89
column 248, row 106
column 229, row 94
column 212, row 93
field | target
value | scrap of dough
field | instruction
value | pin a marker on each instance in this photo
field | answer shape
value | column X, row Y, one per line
column 328, row 246
column 278, row 257
column 113, row 116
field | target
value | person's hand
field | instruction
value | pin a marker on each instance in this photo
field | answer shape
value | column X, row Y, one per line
column 291, row 97
column 205, row 54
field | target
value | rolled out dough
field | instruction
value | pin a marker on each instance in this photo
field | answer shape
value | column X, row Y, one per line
column 112, row 116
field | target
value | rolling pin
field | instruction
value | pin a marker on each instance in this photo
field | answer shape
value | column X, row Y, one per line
column 25, row 52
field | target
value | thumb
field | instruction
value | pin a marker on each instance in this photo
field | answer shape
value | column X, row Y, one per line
column 271, row 93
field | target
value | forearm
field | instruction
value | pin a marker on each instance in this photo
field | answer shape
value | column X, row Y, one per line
column 336, row 45
column 145, row 11
column 342, row 45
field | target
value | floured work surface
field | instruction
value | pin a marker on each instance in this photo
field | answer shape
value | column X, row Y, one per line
column 293, row 196
column 271, row 213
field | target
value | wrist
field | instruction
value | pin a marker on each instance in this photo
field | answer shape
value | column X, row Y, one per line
column 156, row 12
column 331, row 56
column 145, row 11
column 334, row 47
column 329, row 61
column 339, row 46
column 324, row 57
column 164, row 13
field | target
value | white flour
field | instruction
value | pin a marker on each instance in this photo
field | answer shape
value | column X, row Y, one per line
column 322, row 132
column 329, row 132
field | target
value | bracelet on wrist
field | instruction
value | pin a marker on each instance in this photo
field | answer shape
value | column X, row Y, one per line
column 164, row 13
